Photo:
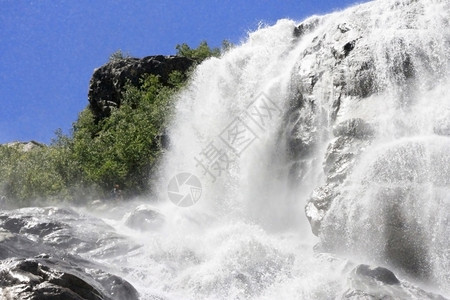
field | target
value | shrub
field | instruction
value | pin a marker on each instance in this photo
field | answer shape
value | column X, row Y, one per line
column 202, row 52
column 124, row 148
column 121, row 149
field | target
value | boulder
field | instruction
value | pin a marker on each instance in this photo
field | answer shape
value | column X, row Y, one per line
column 59, row 228
column 144, row 218
column 42, row 254
column 50, row 278
column 380, row 274
column 366, row 282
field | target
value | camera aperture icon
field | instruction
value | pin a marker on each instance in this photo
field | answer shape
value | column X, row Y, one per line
column 184, row 189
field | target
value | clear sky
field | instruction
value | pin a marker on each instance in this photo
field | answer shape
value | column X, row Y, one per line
column 49, row 48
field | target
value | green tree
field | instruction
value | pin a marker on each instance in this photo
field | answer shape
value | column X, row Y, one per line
column 124, row 148
column 202, row 52
column 121, row 149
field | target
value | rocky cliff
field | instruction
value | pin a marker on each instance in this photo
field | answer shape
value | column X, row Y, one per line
column 369, row 97
column 24, row 146
column 108, row 82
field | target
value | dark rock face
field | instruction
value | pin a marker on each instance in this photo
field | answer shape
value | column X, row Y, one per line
column 59, row 228
column 359, row 107
column 361, row 281
column 301, row 126
column 30, row 278
column 305, row 27
column 50, row 278
column 355, row 127
column 108, row 82
column 366, row 282
column 41, row 256
column 380, row 274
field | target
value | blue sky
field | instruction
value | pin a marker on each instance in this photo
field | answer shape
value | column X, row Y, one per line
column 49, row 48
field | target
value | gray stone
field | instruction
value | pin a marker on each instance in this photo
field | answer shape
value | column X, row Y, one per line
column 355, row 127
column 108, row 82
column 144, row 218
column 40, row 258
column 379, row 273
column 50, row 278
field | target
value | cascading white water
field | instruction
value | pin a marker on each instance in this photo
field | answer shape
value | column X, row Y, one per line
column 253, row 182
column 247, row 236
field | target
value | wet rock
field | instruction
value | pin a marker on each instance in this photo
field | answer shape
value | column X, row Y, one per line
column 144, row 218
column 355, row 127
column 306, row 27
column 301, row 126
column 349, row 47
column 341, row 156
column 362, row 281
column 365, row 282
column 379, row 273
column 42, row 229
column 380, row 210
column 108, row 82
column 12, row 224
column 364, row 83
column 16, row 245
column 40, row 225
column 49, row 278
column 314, row 216
column 41, row 253
column 342, row 51
column 116, row 286
column 405, row 248
column 321, row 198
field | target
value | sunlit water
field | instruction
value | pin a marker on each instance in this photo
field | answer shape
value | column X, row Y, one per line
column 247, row 236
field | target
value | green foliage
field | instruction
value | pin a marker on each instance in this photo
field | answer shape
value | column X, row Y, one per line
column 202, row 52
column 32, row 175
column 121, row 149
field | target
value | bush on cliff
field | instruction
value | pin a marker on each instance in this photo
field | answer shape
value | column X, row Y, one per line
column 123, row 148
column 202, row 52
column 120, row 149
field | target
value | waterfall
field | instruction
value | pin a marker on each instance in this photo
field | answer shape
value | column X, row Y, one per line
column 345, row 114
column 312, row 161
column 233, row 111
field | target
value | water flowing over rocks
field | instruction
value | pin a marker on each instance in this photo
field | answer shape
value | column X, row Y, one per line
column 365, row 282
column 368, row 90
column 41, row 260
column 353, row 131
column 361, row 145
column 43, row 277
column 43, row 255
column 144, row 218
